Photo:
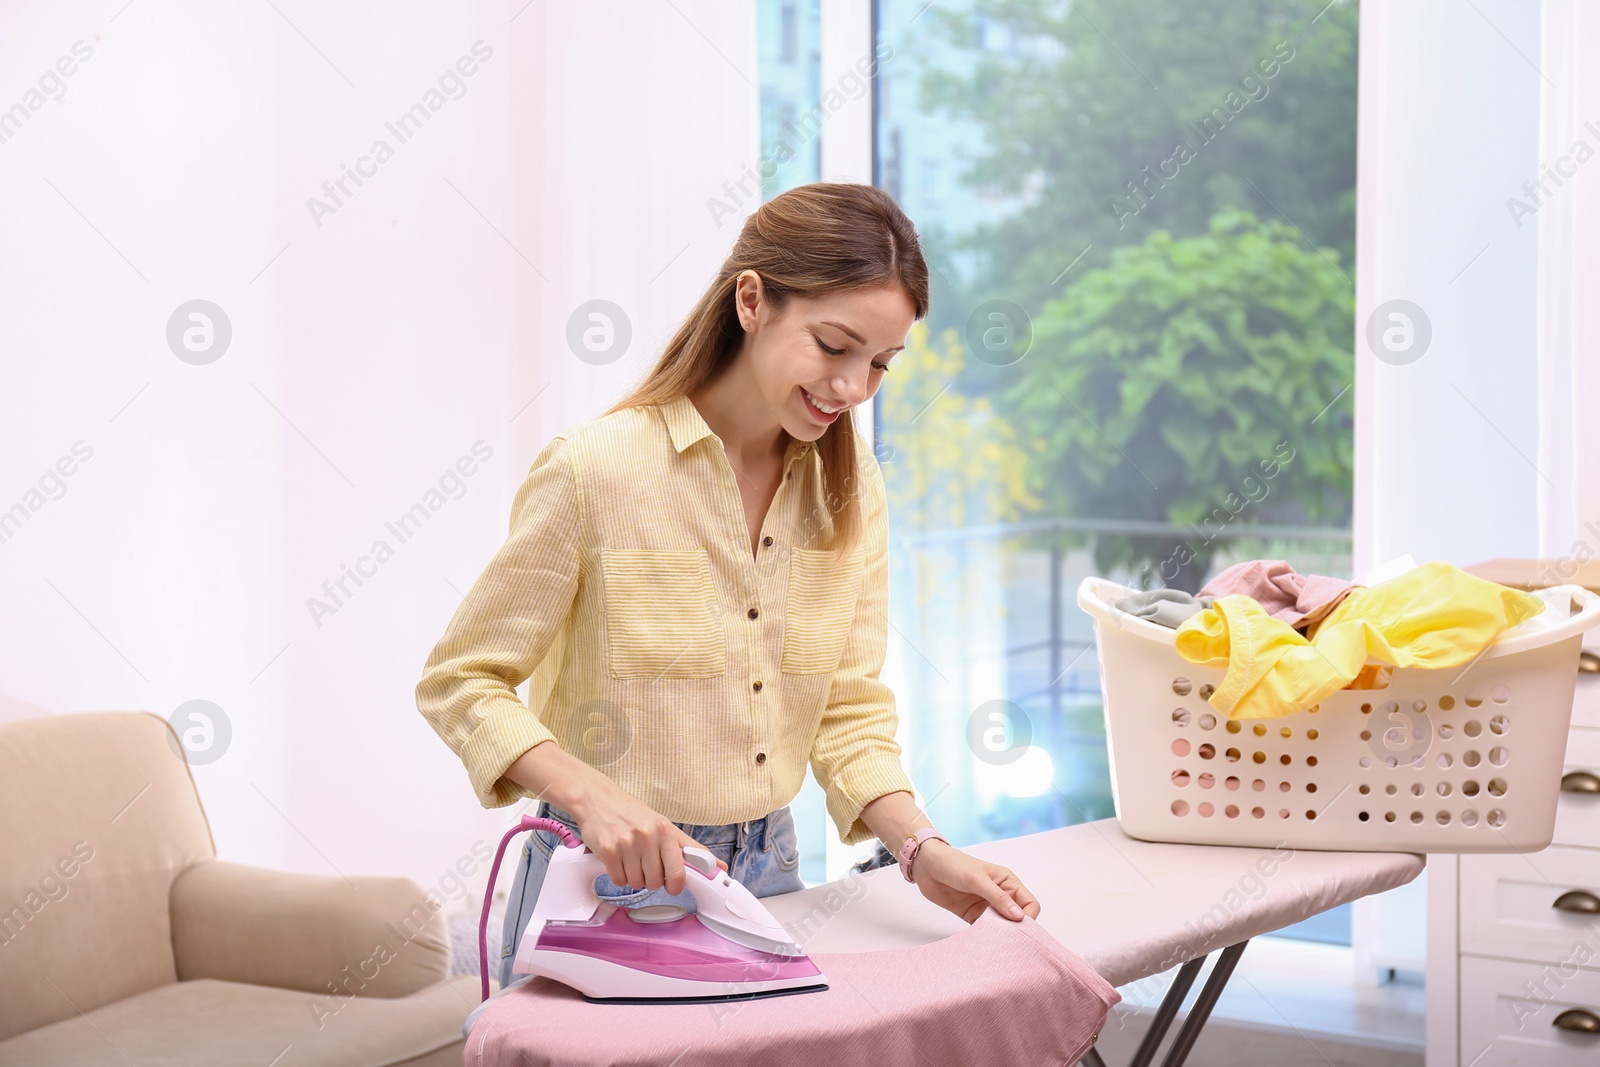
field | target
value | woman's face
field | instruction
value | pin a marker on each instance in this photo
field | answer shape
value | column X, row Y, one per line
column 830, row 351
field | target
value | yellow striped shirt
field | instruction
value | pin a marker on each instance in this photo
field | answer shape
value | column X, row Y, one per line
column 699, row 677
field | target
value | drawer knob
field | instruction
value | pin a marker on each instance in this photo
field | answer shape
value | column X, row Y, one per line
column 1588, row 663
column 1580, row 900
column 1580, row 782
column 1578, row 1020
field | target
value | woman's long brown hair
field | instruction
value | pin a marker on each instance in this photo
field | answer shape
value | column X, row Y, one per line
column 814, row 239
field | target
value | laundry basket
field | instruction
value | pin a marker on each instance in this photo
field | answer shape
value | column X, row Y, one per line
column 1466, row 759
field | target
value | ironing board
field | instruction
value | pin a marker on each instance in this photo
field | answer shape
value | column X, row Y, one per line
column 1129, row 908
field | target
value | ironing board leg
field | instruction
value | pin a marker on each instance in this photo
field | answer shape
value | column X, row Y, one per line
column 1165, row 1012
column 1189, row 1032
column 1221, row 971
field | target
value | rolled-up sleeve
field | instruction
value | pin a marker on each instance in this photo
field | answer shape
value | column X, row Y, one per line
column 503, row 629
column 855, row 757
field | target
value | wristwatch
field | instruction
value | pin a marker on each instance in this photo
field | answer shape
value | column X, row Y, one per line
column 914, row 843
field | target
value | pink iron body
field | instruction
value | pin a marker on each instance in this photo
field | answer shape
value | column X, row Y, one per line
column 729, row 948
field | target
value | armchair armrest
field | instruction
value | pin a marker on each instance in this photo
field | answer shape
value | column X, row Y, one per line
column 363, row 936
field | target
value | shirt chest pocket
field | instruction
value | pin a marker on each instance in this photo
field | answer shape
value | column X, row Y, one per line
column 663, row 618
column 820, row 609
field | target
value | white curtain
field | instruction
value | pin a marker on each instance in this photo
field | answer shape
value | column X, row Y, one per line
column 1569, row 276
column 1448, row 131
column 399, row 347
column 1473, row 205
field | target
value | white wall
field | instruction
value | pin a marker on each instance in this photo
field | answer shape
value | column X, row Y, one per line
column 425, row 316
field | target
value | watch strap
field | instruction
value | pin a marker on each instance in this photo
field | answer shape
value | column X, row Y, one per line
column 914, row 843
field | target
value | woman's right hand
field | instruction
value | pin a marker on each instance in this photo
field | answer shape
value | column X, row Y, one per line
column 639, row 847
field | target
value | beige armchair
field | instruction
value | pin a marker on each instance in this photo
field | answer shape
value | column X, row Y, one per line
column 124, row 941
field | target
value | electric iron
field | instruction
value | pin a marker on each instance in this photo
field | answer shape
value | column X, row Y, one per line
column 729, row 948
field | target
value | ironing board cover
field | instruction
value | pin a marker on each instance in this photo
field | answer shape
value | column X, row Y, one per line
column 998, row 992
column 903, row 970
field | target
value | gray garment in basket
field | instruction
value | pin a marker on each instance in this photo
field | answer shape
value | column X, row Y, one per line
column 1165, row 607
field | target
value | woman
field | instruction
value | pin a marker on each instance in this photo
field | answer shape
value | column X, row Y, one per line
column 696, row 583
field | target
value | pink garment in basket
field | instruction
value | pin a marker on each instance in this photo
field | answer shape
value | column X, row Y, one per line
column 999, row 993
column 1286, row 595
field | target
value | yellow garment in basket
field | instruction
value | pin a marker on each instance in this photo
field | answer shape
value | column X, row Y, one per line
column 1436, row 615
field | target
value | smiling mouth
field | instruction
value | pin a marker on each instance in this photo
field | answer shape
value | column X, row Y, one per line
column 825, row 413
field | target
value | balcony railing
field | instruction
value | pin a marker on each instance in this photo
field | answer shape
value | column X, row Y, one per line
column 1068, row 543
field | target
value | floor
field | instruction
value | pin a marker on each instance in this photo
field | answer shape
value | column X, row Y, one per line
column 1226, row 1043
column 1288, row 1003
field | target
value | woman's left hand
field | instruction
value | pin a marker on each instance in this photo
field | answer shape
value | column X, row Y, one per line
column 965, row 885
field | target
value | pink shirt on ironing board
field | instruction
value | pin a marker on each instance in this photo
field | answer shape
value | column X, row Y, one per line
column 996, row 994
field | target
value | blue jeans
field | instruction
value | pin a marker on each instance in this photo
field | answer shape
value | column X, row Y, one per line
column 763, row 854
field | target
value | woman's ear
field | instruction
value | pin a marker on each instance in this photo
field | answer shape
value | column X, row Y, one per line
column 747, row 298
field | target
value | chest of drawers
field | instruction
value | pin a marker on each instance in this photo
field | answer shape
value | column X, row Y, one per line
column 1514, row 939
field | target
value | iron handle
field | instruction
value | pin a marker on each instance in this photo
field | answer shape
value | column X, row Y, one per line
column 1579, row 900
column 1578, row 1020
column 1580, row 782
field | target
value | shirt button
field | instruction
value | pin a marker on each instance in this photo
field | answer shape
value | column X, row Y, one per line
column 752, row 613
column 767, row 541
column 761, row 757
column 756, row 685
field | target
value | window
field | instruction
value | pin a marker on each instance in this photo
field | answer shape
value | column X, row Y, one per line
column 1140, row 222
column 789, row 54
column 788, row 35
